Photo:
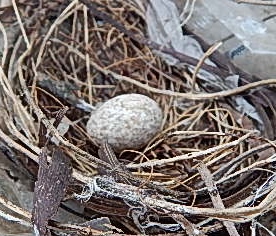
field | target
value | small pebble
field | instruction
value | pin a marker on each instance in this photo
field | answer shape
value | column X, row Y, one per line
column 127, row 121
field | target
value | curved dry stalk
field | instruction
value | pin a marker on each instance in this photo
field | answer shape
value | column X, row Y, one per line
column 20, row 112
column 63, row 16
column 248, row 168
column 23, row 31
column 5, row 46
column 191, row 155
column 215, row 196
column 15, row 208
column 190, row 96
column 257, row 2
column 105, row 187
column 201, row 61
column 41, row 116
column 185, row 128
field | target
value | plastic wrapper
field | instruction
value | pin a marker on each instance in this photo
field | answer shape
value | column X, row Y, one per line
column 247, row 31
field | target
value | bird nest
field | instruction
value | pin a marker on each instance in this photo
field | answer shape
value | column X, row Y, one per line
column 208, row 170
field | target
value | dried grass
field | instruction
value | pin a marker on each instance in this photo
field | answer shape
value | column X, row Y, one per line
column 199, row 128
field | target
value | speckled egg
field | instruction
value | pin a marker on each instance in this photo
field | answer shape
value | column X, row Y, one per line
column 127, row 121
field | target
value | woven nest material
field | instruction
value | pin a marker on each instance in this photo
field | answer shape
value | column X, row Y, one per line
column 216, row 166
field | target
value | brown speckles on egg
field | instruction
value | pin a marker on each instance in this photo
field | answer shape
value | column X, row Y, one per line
column 127, row 121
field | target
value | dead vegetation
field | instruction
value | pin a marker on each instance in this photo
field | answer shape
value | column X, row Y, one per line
column 208, row 170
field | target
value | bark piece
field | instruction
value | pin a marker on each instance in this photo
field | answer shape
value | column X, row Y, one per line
column 49, row 190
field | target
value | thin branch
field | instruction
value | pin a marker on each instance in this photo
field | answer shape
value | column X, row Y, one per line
column 17, row 210
column 201, row 61
column 190, row 96
column 20, row 24
column 14, row 208
column 256, row 2
column 14, row 219
column 143, row 41
column 191, row 155
column 106, row 187
column 5, row 44
column 215, row 197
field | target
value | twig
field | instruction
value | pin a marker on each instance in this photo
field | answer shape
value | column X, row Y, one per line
column 87, row 58
column 215, row 197
column 253, row 166
column 14, row 219
column 5, row 44
column 121, row 174
column 58, row 21
column 189, row 227
column 13, row 58
column 11, row 143
column 17, row 210
column 20, row 24
column 23, row 116
column 45, row 121
column 256, row 2
column 184, row 21
column 201, row 61
column 242, row 157
column 190, row 96
column 140, row 39
column 106, row 187
column 191, row 155
column 265, row 228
